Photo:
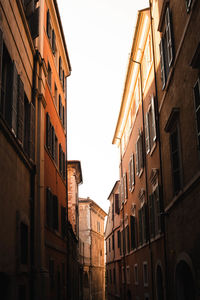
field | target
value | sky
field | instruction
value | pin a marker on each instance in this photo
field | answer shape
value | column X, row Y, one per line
column 99, row 36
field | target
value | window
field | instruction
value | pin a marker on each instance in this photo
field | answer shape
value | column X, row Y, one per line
column 51, row 139
column 133, row 232
column 150, row 127
column 53, row 45
column 175, row 159
column 51, row 210
column 60, row 107
column 62, row 163
column 197, row 108
column 123, row 270
column 23, row 243
column 109, row 245
column 49, row 75
column 139, row 155
column 110, row 276
column 142, row 225
column 131, row 168
column 154, row 211
column 63, row 274
column 188, row 4
column 60, row 68
column 145, row 273
column 136, row 274
column 63, row 116
column 48, row 25
column 166, row 48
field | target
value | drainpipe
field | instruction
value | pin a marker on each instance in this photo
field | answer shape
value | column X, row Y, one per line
column 146, row 176
column 160, row 154
column 123, row 232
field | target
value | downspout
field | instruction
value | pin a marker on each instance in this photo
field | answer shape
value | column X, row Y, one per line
column 146, row 177
column 160, row 155
column 32, row 194
column 123, row 232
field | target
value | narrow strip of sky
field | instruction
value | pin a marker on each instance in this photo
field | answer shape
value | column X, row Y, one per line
column 99, row 35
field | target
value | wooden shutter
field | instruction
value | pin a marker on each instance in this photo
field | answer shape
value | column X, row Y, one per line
column 116, row 203
column 169, row 36
column 141, row 159
column 127, row 239
column 63, row 116
column 64, row 166
column 55, row 212
column 31, row 131
column 144, row 222
column 133, row 171
column 153, row 118
column 125, row 186
column 48, row 24
column 157, row 204
column 60, row 68
column 63, row 80
column 48, row 207
column 137, row 158
column 140, row 227
column 147, row 132
column 47, row 129
column 14, row 99
column 20, row 111
column 60, row 107
column 152, row 215
column 162, row 63
column 129, row 174
column 1, row 60
column 60, row 158
column 53, row 142
column 63, row 220
column 53, row 41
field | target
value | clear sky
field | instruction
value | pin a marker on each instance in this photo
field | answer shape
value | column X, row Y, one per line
column 99, row 36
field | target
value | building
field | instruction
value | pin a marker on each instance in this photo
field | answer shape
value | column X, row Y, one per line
column 142, row 239
column 177, row 65
column 18, row 103
column 34, row 64
column 91, row 233
column 113, row 246
column 74, row 264
column 53, row 147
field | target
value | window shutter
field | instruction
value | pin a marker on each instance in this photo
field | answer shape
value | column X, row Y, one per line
column 152, row 215
column 48, row 24
column 157, row 203
column 60, row 68
column 162, row 63
column 197, row 108
column 63, row 220
column 53, row 41
column 169, row 36
column 32, row 131
column 153, row 118
column 141, row 160
column 47, row 129
column 63, row 80
column 63, row 116
column 129, row 174
column 144, row 222
column 1, row 60
column 14, row 99
column 60, row 158
column 133, row 171
column 55, row 212
column 125, row 186
column 127, row 238
column 53, row 142
column 63, row 165
column 137, row 159
column 48, row 207
column 20, row 111
column 116, row 203
column 140, row 227
column 147, row 133
column 60, row 107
